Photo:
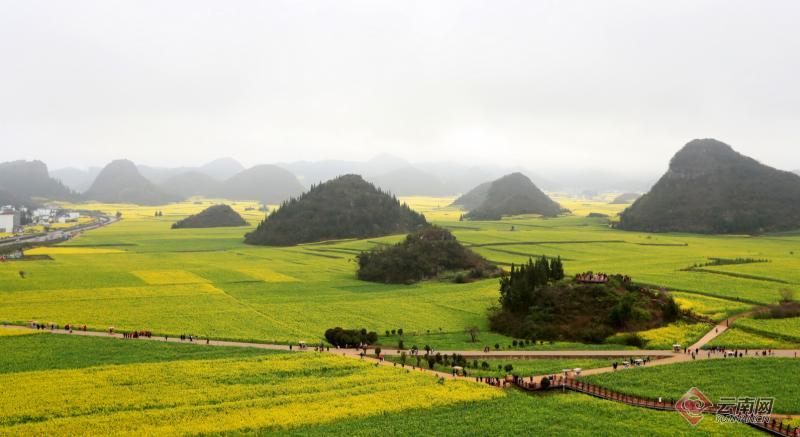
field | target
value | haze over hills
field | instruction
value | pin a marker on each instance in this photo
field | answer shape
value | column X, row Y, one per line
column 344, row 207
column 192, row 183
column 474, row 197
column 625, row 198
column 76, row 179
column 219, row 169
column 512, row 194
column 710, row 188
column 410, row 181
column 121, row 182
column 26, row 179
column 80, row 180
column 265, row 183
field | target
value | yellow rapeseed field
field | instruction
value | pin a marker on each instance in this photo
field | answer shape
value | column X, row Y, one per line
column 14, row 331
column 267, row 275
column 211, row 396
column 160, row 277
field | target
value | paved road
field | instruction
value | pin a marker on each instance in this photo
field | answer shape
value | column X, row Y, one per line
column 47, row 236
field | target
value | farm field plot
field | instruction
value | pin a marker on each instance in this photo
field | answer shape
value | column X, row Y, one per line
column 713, row 308
column 140, row 274
column 716, row 378
column 518, row 413
column 46, row 351
column 16, row 332
column 221, row 395
column 675, row 333
column 787, row 329
column 735, row 338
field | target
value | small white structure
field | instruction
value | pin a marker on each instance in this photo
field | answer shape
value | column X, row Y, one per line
column 9, row 222
column 73, row 215
column 42, row 212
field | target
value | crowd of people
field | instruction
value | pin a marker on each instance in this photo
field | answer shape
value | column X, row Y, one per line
column 137, row 334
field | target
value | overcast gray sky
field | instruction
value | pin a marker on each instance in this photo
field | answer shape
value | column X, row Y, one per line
column 570, row 84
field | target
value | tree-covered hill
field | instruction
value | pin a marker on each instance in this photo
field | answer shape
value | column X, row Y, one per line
column 538, row 302
column 343, row 207
column 27, row 179
column 212, row 217
column 425, row 254
column 121, row 182
column 512, row 194
column 710, row 188
column 474, row 197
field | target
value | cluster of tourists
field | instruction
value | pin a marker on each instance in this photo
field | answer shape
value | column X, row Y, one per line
column 137, row 334
column 736, row 353
column 52, row 326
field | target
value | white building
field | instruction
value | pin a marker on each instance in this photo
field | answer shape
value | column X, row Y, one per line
column 42, row 212
column 73, row 215
column 9, row 222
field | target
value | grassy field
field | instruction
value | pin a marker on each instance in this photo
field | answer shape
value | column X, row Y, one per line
column 25, row 353
column 754, row 377
column 140, row 274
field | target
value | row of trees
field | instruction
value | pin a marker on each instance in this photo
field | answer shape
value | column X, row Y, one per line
column 350, row 337
column 518, row 288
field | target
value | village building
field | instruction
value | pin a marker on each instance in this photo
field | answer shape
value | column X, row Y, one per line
column 9, row 221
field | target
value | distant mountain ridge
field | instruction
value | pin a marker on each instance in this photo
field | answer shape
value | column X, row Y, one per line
column 121, row 182
column 512, row 194
column 344, row 207
column 710, row 188
column 27, row 179
column 266, row 183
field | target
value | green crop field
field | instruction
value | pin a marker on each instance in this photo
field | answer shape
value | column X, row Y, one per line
column 140, row 274
column 787, row 329
column 729, row 377
column 25, row 353
column 112, row 386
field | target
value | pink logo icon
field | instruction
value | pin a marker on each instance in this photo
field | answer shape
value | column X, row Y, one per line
column 692, row 405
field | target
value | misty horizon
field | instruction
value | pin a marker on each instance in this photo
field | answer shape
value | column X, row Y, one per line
column 619, row 86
